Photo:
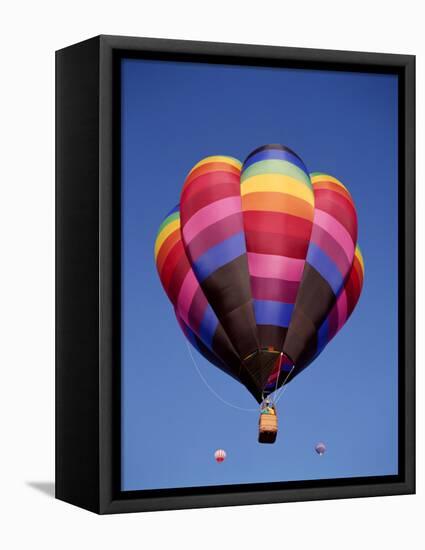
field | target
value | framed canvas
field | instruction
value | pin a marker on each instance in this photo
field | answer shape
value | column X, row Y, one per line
column 234, row 274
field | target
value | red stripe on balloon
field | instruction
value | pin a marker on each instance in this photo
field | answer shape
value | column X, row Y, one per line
column 166, row 248
column 277, row 222
column 274, row 243
column 208, row 194
column 179, row 275
column 276, row 290
column 169, row 266
column 333, row 187
column 209, row 180
column 358, row 272
column 339, row 207
column 353, row 288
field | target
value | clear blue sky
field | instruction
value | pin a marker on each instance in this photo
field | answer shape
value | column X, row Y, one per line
column 344, row 124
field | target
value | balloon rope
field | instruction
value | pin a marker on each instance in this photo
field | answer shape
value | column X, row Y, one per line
column 277, row 381
column 278, row 375
column 211, row 389
column 284, row 385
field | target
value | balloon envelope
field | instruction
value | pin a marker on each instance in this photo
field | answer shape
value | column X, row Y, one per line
column 220, row 455
column 261, row 263
column 320, row 448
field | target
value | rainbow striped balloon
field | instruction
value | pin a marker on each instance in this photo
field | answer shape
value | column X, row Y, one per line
column 261, row 264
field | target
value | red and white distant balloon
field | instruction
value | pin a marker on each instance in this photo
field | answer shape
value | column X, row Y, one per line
column 320, row 448
column 220, row 455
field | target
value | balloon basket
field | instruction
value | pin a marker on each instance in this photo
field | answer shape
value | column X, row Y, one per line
column 267, row 428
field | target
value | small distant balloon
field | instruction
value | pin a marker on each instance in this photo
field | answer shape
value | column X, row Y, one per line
column 220, row 455
column 320, row 448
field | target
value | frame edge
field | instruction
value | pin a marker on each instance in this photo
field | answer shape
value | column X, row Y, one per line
column 109, row 503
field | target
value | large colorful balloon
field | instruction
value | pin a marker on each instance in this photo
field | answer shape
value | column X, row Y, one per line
column 261, row 264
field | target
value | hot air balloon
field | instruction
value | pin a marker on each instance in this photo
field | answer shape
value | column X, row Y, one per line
column 220, row 455
column 261, row 264
column 320, row 448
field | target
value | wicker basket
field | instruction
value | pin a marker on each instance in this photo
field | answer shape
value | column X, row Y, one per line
column 267, row 428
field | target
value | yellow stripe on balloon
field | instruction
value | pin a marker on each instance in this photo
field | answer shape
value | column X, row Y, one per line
column 168, row 229
column 277, row 183
column 359, row 257
column 218, row 158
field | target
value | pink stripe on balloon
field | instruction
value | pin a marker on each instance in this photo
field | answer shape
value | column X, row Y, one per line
column 186, row 295
column 215, row 234
column 336, row 229
column 210, row 214
column 275, row 267
column 341, row 305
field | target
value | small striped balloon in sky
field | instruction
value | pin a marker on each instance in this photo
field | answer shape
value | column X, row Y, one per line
column 220, row 455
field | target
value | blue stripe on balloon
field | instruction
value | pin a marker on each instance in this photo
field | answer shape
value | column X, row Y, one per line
column 201, row 348
column 219, row 255
column 322, row 336
column 286, row 367
column 325, row 266
column 208, row 327
column 268, row 312
column 275, row 154
column 190, row 335
column 284, row 370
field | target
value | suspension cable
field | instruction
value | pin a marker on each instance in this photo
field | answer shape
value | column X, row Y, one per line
column 212, row 390
column 284, row 386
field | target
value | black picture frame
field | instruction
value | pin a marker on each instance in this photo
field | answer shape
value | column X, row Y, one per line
column 88, row 274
